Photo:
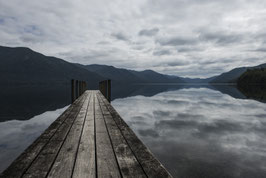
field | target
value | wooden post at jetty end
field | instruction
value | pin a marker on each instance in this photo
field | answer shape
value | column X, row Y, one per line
column 105, row 89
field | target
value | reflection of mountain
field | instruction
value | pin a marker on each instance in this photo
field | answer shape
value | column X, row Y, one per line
column 230, row 90
column 256, row 92
column 144, row 90
column 22, row 103
column 151, row 90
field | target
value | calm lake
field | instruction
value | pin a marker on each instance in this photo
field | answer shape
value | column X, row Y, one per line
column 195, row 131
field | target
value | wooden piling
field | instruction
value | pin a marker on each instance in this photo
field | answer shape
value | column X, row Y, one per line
column 105, row 88
column 109, row 90
column 72, row 90
column 76, row 89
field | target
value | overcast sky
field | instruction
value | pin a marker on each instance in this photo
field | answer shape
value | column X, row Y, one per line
column 195, row 38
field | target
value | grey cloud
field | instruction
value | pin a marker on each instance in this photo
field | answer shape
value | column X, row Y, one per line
column 103, row 42
column 261, row 115
column 120, row 36
column 148, row 32
column 30, row 39
column 171, row 63
column 191, row 27
column 188, row 49
column 260, row 50
column 162, row 52
column 177, row 63
column 221, row 60
column 221, row 38
column 177, row 41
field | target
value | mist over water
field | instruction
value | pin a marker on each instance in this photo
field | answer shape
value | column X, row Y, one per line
column 200, row 132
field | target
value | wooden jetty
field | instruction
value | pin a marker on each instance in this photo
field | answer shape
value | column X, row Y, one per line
column 89, row 139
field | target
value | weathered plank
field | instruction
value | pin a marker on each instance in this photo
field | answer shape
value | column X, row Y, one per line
column 22, row 163
column 106, row 161
column 85, row 166
column 91, row 140
column 128, row 164
column 42, row 164
column 151, row 166
column 65, row 160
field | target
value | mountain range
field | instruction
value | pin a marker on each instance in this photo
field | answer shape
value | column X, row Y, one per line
column 233, row 75
column 22, row 65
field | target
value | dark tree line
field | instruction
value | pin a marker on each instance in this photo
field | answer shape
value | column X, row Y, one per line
column 253, row 77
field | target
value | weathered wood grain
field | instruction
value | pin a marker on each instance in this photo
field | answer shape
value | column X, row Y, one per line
column 41, row 165
column 85, row 165
column 64, row 163
column 22, row 163
column 151, row 166
column 89, row 140
column 128, row 164
column 106, row 161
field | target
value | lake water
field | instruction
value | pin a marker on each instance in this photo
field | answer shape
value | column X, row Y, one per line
column 195, row 131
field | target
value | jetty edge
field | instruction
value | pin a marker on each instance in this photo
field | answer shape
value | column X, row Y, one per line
column 89, row 139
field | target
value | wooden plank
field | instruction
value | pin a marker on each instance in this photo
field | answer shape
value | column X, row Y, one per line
column 151, row 166
column 128, row 164
column 41, row 165
column 18, row 167
column 48, row 133
column 85, row 166
column 64, row 163
column 22, row 163
column 106, row 161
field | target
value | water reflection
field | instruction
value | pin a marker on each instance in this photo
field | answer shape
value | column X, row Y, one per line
column 210, row 131
column 16, row 136
column 249, row 92
column 25, row 102
column 201, row 132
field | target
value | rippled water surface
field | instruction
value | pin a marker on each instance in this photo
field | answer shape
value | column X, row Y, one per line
column 199, row 132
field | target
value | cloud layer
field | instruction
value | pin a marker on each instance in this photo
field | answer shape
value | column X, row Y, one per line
column 141, row 34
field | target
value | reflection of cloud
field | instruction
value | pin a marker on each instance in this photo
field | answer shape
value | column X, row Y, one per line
column 15, row 135
column 148, row 132
column 176, row 124
column 177, row 102
column 201, row 130
column 160, row 114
